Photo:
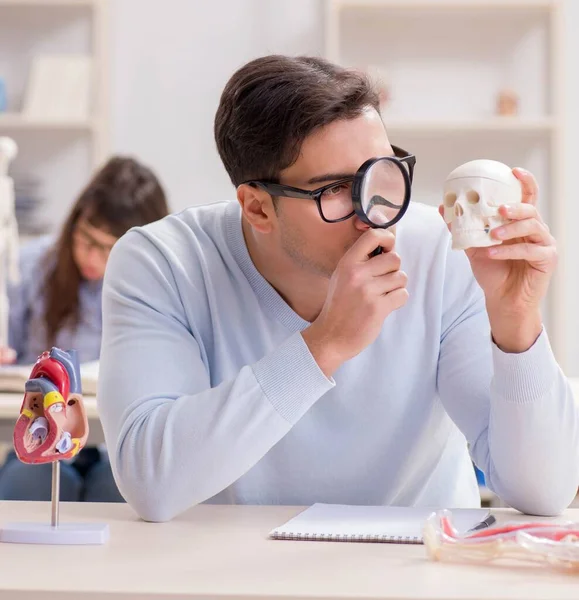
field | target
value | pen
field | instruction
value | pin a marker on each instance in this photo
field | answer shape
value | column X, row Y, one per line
column 490, row 520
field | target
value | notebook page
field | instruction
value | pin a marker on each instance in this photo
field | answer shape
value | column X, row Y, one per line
column 389, row 521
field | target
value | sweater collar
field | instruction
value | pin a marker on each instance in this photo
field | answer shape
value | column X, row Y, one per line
column 268, row 296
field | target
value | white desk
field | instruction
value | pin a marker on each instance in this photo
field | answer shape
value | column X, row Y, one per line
column 10, row 409
column 223, row 552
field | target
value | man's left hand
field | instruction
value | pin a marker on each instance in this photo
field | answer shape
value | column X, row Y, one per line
column 515, row 275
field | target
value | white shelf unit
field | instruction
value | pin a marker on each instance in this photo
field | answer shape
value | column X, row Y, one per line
column 450, row 126
column 47, row 3
column 444, row 63
column 463, row 5
column 59, row 154
column 16, row 122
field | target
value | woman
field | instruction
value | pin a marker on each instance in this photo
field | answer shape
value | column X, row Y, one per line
column 58, row 303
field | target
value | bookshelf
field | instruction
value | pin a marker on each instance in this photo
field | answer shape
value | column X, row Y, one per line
column 57, row 155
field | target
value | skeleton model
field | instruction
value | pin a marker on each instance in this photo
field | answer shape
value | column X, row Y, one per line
column 473, row 194
column 8, row 234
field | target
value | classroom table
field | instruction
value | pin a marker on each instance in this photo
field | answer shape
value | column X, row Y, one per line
column 223, row 552
column 10, row 404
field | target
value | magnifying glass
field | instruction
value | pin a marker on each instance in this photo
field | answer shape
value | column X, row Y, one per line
column 381, row 193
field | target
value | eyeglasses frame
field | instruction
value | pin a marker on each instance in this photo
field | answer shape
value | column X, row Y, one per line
column 399, row 159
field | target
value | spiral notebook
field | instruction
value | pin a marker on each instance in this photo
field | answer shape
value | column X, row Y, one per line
column 350, row 523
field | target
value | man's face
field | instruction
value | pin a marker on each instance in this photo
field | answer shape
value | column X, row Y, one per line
column 331, row 153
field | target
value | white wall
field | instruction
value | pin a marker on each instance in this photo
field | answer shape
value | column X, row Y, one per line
column 571, row 187
column 171, row 59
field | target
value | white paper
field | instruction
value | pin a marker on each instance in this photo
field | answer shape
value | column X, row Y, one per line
column 361, row 521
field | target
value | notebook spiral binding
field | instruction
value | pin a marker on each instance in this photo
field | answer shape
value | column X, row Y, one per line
column 329, row 537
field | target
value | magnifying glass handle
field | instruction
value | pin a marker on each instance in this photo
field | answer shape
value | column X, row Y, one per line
column 376, row 252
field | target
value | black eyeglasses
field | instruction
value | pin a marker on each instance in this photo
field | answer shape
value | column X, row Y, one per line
column 334, row 200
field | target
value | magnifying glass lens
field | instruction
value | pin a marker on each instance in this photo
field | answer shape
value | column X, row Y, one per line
column 382, row 192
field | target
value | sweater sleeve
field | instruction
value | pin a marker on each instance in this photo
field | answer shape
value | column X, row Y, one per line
column 517, row 411
column 173, row 439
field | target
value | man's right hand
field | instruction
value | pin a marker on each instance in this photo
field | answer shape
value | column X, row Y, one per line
column 363, row 291
column 7, row 356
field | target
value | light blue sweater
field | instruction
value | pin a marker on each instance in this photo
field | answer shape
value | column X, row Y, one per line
column 208, row 391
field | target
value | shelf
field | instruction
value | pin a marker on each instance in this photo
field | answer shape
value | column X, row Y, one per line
column 15, row 122
column 492, row 124
column 447, row 4
column 49, row 3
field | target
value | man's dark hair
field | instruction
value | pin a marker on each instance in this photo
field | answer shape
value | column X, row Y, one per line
column 270, row 105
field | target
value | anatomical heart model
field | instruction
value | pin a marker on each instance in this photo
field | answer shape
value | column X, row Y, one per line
column 8, row 234
column 53, row 426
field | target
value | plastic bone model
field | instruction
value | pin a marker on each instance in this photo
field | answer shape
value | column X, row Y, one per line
column 473, row 194
column 52, row 424
column 8, row 234
column 551, row 544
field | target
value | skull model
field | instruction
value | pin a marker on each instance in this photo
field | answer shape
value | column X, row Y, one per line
column 473, row 194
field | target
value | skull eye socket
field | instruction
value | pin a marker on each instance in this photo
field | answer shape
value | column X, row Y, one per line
column 449, row 199
column 472, row 197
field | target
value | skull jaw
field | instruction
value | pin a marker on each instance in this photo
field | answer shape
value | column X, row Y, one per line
column 471, row 237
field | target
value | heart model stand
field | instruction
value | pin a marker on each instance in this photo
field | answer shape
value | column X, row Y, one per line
column 53, row 426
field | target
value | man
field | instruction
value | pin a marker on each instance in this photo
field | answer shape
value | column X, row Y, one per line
column 261, row 352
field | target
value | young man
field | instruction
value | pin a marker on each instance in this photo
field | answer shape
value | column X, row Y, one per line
column 260, row 352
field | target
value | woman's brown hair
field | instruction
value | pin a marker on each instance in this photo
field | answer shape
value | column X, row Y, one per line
column 122, row 194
